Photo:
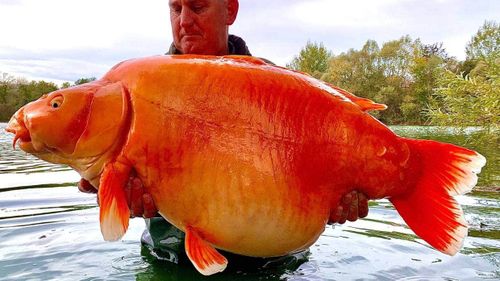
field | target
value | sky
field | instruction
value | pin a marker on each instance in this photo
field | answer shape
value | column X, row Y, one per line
column 64, row 40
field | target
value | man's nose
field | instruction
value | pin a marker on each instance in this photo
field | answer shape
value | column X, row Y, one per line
column 186, row 17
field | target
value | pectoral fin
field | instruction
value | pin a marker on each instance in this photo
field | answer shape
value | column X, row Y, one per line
column 204, row 256
column 114, row 212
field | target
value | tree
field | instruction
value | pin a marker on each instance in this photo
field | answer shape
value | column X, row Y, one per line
column 473, row 100
column 426, row 68
column 16, row 92
column 384, row 75
column 312, row 59
column 6, row 81
column 65, row 85
column 29, row 91
column 485, row 42
column 357, row 71
column 84, row 80
column 397, row 57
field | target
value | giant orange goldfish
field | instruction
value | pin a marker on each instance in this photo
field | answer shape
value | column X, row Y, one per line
column 242, row 156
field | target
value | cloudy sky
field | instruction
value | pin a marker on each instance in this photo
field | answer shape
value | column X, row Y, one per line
column 63, row 40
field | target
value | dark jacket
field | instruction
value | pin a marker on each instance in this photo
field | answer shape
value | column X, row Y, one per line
column 236, row 46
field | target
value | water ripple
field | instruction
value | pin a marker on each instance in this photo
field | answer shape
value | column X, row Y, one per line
column 50, row 231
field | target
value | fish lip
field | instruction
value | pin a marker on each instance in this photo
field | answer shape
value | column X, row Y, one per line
column 27, row 146
column 20, row 131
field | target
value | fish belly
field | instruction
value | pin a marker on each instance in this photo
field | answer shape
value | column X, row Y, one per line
column 246, row 207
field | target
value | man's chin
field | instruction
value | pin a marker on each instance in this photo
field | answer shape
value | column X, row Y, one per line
column 191, row 50
column 191, row 38
column 193, row 46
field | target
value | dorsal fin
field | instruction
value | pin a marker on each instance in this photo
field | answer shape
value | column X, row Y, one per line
column 363, row 103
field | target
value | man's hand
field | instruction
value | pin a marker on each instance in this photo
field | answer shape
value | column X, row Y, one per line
column 140, row 204
column 352, row 206
column 85, row 187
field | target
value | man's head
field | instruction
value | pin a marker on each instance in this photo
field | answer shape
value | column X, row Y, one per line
column 201, row 26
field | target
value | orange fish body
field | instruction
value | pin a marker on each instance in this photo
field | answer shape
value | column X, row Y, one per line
column 248, row 157
column 247, row 145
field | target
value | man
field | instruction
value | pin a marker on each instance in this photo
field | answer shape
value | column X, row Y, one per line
column 202, row 27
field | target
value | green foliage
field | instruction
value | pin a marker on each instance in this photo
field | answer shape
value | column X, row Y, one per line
column 485, row 43
column 313, row 59
column 409, row 77
column 472, row 97
column 427, row 67
column 65, row 85
column 357, row 71
column 84, row 80
column 473, row 100
column 14, row 93
column 401, row 74
column 397, row 57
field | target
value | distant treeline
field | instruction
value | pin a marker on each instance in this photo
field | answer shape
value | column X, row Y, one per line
column 420, row 83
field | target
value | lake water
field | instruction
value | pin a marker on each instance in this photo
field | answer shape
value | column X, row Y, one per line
column 50, row 231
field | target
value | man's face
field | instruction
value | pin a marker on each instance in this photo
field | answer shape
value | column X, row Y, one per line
column 200, row 26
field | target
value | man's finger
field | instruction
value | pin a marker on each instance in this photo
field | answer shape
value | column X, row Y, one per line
column 136, row 192
column 353, row 208
column 335, row 216
column 362, row 205
column 85, row 187
column 149, row 206
column 345, row 213
column 128, row 191
column 346, row 200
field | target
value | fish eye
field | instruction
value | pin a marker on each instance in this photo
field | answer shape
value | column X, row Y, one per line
column 56, row 102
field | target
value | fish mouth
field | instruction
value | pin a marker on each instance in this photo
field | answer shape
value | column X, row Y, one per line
column 22, row 134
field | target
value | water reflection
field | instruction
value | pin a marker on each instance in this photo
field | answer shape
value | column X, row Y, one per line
column 239, row 268
column 50, row 231
column 18, row 162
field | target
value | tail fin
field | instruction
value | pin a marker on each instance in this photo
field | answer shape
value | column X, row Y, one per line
column 429, row 208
